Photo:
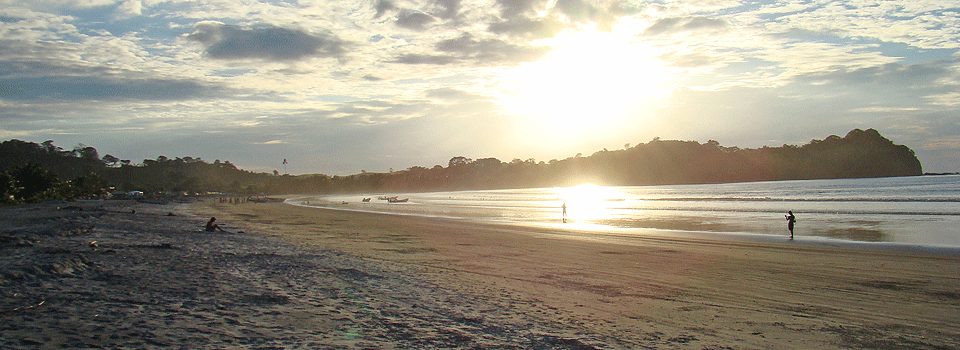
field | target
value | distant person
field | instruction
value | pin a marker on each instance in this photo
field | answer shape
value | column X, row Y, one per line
column 212, row 225
column 790, row 221
column 564, row 207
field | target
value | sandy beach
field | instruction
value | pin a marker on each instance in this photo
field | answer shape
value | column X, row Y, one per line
column 137, row 275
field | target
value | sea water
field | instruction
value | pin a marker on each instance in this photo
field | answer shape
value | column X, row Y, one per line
column 920, row 210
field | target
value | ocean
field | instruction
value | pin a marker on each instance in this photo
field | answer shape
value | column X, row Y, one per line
column 920, row 210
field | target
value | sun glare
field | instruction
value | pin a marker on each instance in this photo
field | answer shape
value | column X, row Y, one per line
column 589, row 202
column 590, row 82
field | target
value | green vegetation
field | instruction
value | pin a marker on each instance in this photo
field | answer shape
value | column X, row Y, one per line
column 31, row 172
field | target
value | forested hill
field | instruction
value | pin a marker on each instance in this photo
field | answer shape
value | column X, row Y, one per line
column 31, row 172
column 859, row 154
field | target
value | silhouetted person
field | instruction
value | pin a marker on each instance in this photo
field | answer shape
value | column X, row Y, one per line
column 564, row 207
column 212, row 226
column 790, row 221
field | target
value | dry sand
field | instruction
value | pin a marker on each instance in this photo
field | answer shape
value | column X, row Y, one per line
column 310, row 278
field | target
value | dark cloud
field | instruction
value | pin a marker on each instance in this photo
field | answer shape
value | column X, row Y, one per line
column 98, row 88
column 8, row 19
column 683, row 24
column 519, row 17
column 525, row 27
column 450, row 94
column 414, row 20
column 425, row 59
column 466, row 48
column 893, row 74
column 383, row 6
column 46, row 81
column 490, row 50
column 271, row 43
column 519, row 8
column 450, row 8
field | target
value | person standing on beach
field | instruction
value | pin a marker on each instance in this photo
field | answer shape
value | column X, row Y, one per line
column 564, row 207
column 790, row 221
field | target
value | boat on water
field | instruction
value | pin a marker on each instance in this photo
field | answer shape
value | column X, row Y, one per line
column 366, row 200
column 395, row 200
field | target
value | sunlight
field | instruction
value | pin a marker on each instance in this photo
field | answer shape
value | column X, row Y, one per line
column 590, row 82
column 589, row 202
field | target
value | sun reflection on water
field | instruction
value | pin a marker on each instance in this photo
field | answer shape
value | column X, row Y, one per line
column 589, row 203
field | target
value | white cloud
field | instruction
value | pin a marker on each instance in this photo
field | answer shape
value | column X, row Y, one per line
column 340, row 70
column 131, row 8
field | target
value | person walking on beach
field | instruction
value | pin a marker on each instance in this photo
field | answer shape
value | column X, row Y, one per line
column 212, row 226
column 790, row 221
column 564, row 207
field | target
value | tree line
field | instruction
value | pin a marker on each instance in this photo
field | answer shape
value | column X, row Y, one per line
column 31, row 172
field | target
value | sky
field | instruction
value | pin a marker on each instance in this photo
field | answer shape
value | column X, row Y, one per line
column 343, row 87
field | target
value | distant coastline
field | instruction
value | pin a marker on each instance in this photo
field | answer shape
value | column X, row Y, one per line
column 36, row 172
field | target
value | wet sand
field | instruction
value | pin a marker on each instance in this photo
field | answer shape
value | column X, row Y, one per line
column 311, row 278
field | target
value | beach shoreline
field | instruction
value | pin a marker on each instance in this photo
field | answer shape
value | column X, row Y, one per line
column 600, row 231
column 290, row 276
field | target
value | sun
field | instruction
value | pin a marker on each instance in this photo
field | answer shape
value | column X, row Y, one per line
column 591, row 82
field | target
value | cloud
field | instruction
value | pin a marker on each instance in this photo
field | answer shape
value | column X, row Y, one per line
column 10, row 19
column 892, row 74
column 525, row 27
column 424, row 59
column 673, row 25
column 690, row 60
column 450, row 8
column 450, row 94
column 524, row 18
column 519, row 8
column 414, row 20
column 490, row 50
column 382, row 6
column 99, row 88
column 131, row 8
column 579, row 11
column 483, row 52
column 230, row 42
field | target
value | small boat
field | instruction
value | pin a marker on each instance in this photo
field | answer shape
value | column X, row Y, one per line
column 395, row 200
column 366, row 200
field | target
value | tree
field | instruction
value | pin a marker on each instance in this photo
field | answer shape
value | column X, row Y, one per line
column 33, row 182
column 87, row 153
column 458, row 161
column 50, row 148
column 110, row 160
column 8, row 189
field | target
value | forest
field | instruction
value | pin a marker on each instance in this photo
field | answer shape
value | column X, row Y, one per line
column 31, row 172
